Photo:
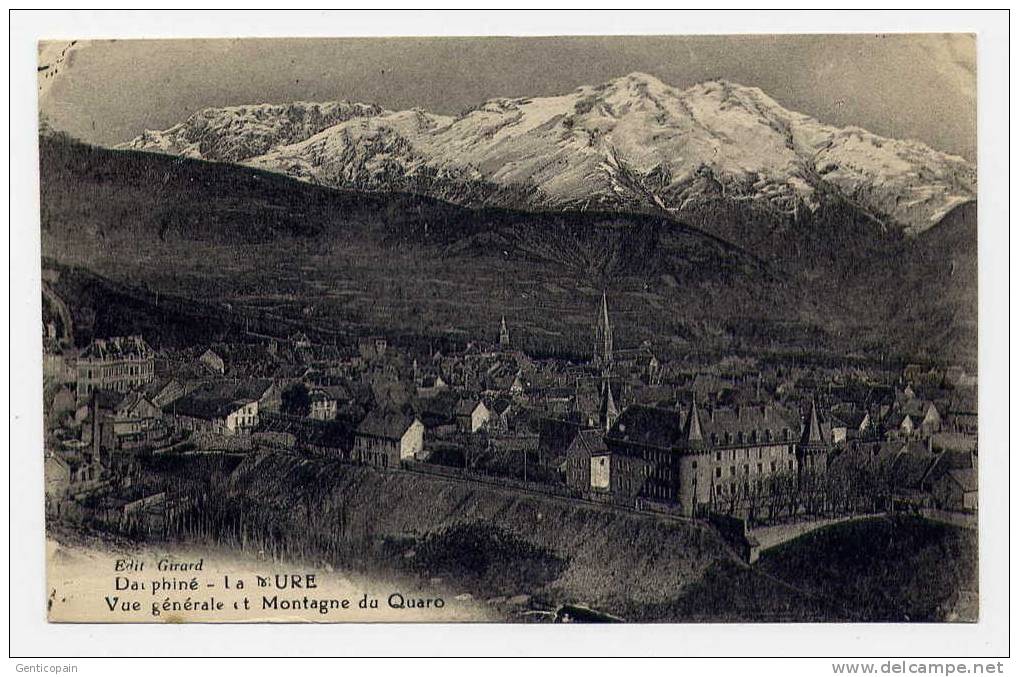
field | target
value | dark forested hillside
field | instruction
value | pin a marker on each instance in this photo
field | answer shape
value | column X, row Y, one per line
column 405, row 262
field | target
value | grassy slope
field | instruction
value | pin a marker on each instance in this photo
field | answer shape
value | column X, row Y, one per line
column 878, row 570
column 477, row 536
column 488, row 541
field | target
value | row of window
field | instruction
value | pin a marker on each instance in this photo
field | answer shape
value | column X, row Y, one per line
column 119, row 387
column 773, row 467
column 748, row 452
column 735, row 488
column 371, row 443
column 117, row 372
column 372, row 458
column 246, row 421
column 659, row 472
column 753, row 436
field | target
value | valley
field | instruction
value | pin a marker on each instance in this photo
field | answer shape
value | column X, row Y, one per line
column 400, row 263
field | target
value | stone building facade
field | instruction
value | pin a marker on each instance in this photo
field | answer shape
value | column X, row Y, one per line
column 701, row 457
column 119, row 364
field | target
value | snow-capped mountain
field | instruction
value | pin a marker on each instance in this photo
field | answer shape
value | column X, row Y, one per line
column 633, row 143
column 239, row 133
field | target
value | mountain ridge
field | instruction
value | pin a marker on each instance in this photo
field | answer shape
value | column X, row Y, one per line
column 631, row 144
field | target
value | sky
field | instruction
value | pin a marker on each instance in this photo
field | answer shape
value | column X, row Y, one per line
column 919, row 86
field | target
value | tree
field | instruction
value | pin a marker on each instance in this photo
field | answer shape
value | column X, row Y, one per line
column 295, row 400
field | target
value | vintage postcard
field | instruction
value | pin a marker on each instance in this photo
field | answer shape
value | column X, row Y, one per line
column 525, row 330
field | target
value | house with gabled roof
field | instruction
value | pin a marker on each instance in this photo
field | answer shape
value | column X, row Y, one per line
column 137, row 420
column 226, row 408
column 385, row 438
column 957, row 490
column 585, row 445
column 501, row 412
column 471, row 414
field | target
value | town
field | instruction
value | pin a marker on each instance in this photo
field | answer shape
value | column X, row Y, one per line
column 741, row 440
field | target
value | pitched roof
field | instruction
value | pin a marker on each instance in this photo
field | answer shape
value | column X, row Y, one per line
column 692, row 432
column 898, row 420
column 242, row 352
column 949, row 460
column 911, row 466
column 194, row 370
column 291, row 371
column 386, row 425
column 320, row 395
column 433, row 381
column 310, row 354
column 132, row 400
column 208, row 406
column 338, row 392
column 728, row 425
column 887, row 452
column 440, row 406
column 647, row 426
column 117, row 348
column 853, row 419
column 812, row 428
column 556, row 435
column 466, row 407
column 668, row 428
column 500, row 405
column 220, row 399
column 917, row 408
column 965, row 478
column 587, row 442
column 156, row 388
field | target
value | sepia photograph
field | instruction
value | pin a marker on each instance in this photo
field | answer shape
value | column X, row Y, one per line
column 478, row 330
column 650, row 329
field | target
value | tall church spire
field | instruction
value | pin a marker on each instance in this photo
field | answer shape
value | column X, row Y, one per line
column 603, row 335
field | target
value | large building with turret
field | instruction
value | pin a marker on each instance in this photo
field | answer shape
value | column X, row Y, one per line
column 709, row 456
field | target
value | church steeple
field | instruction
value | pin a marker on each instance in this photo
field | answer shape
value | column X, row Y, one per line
column 504, row 335
column 608, row 412
column 603, row 335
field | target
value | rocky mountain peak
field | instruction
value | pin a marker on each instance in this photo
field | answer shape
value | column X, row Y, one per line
column 633, row 143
